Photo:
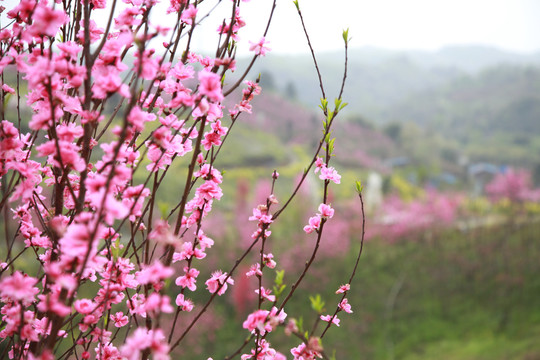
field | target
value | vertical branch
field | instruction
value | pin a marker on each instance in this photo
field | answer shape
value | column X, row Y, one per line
column 353, row 273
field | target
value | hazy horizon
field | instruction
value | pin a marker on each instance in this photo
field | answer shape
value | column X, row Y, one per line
column 426, row 25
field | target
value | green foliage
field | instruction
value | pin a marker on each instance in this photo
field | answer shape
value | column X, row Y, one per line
column 324, row 105
column 465, row 295
column 279, row 286
column 329, row 117
column 331, row 147
column 339, row 105
column 359, row 187
column 345, row 35
column 317, row 303
column 300, row 324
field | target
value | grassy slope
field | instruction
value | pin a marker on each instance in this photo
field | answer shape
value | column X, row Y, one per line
column 445, row 295
column 455, row 296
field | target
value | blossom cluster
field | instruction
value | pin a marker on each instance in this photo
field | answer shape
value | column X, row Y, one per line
column 71, row 180
column 103, row 112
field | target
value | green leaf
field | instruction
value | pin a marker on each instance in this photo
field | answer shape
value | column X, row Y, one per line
column 346, row 35
column 359, row 186
column 330, row 116
column 296, row 4
column 279, row 277
column 278, row 290
column 337, row 103
column 300, row 324
column 316, row 303
column 279, row 286
column 331, row 146
column 324, row 104
column 343, row 105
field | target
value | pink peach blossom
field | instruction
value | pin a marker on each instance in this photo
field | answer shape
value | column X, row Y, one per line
column 218, row 279
column 329, row 318
column 259, row 47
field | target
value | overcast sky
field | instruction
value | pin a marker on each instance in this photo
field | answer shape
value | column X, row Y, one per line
column 393, row 24
column 401, row 24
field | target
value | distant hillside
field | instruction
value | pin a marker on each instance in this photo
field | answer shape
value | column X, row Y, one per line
column 380, row 78
column 470, row 58
column 278, row 124
column 500, row 98
column 370, row 86
column 484, row 100
column 494, row 115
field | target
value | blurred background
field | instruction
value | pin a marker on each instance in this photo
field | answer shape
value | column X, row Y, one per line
column 443, row 129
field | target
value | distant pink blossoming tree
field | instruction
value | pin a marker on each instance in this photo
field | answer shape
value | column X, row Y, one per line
column 514, row 185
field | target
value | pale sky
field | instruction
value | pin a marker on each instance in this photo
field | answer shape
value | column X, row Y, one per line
column 405, row 24
column 392, row 24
